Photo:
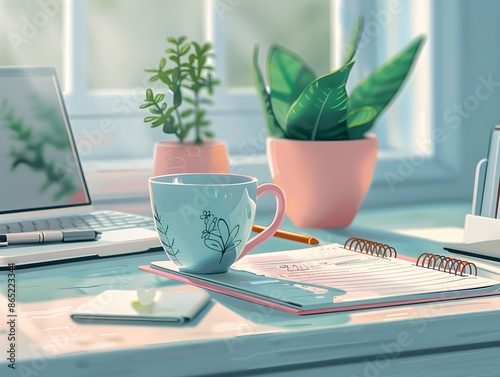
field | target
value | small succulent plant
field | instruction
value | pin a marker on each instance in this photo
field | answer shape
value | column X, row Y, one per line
column 299, row 105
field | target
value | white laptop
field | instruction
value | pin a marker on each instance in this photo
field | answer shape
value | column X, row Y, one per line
column 42, row 185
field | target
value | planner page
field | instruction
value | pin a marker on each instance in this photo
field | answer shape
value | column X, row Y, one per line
column 360, row 276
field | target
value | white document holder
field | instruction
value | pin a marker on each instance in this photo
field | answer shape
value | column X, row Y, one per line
column 479, row 229
column 481, row 233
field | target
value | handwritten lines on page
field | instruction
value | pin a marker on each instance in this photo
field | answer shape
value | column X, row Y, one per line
column 362, row 276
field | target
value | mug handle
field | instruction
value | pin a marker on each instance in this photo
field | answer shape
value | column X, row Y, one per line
column 268, row 188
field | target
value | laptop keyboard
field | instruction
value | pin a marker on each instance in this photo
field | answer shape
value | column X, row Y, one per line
column 100, row 221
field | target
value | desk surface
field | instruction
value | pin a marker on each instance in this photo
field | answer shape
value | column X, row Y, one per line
column 456, row 338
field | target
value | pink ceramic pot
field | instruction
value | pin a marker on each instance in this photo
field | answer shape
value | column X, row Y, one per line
column 171, row 157
column 324, row 182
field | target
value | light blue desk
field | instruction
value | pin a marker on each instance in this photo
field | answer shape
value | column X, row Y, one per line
column 233, row 337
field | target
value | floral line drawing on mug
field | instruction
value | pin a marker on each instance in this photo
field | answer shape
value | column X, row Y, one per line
column 169, row 245
column 217, row 235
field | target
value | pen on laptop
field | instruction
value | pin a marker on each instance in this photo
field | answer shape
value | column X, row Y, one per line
column 288, row 235
column 48, row 236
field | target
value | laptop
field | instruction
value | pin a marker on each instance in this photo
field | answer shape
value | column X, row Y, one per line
column 42, row 185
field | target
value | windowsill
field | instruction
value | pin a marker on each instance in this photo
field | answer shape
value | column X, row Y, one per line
column 428, row 181
column 111, row 180
column 117, row 180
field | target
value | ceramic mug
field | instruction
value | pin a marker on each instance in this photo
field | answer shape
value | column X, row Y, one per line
column 204, row 220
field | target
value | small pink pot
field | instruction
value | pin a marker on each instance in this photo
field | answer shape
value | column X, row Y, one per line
column 324, row 182
column 171, row 157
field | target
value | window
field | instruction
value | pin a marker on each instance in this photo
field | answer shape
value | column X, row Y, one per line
column 117, row 53
column 101, row 47
column 256, row 22
column 32, row 33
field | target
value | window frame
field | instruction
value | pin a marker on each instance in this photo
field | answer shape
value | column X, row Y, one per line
column 416, row 175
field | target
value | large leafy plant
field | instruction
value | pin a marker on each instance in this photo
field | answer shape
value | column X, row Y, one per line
column 188, row 75
column 300, row 105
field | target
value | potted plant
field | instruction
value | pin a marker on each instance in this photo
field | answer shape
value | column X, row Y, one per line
column 318, row 150
column 188, row 76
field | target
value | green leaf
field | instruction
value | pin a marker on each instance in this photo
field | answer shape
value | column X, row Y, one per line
column 206, row 47
column 378, row 89
column 199, row 116
column 169, row 126
column 188, row 100
column 177, row 97
column 289, row 75
column 273, row 128
column 149, row 95
column 169, row 111
column 209, row 84
column 172, row 40
column 186, row 113
column 359, row 121
column 176, row 75
column 206, row 101
column 197, row 48
column 160, row 121
column 163, row 62
column 165, row 120
column 184, row 49
column 196, row 87
column 209, row 134
column 159, row 97
column 145, row 105
column 173, row 87
column 149, row 119
column 320, row 112
column 354, row 41
column 165, row 77
column 192, row 73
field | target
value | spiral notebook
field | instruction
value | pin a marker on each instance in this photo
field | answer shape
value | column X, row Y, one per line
column 360, row 274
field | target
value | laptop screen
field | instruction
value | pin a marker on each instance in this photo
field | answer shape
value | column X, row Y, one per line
column 39, row 166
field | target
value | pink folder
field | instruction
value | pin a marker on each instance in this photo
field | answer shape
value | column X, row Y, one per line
column 299, row 311
column 412, row 281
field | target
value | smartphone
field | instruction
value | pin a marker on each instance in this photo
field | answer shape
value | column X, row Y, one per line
column 175, row 305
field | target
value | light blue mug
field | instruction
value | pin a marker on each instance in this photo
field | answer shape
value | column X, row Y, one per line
column 204, row 220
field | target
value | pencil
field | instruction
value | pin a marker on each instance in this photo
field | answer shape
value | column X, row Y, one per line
column 288, row 235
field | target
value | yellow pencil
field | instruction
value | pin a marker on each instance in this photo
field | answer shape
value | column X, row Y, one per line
column 288, row 235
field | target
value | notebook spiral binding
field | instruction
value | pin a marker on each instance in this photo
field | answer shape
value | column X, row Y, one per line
column 426, row 260
column 370, row 247
column 446, row 264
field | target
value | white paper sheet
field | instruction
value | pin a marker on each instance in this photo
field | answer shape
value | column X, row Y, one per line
column 362, row 276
